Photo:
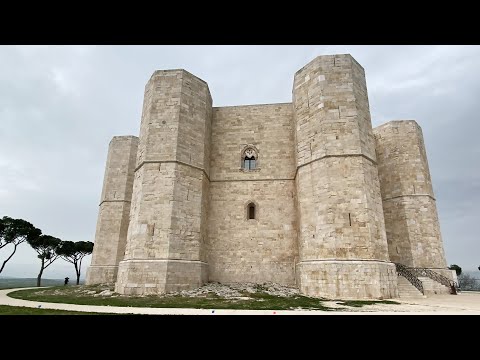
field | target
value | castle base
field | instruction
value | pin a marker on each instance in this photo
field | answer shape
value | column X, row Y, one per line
column 101, row 274
column 334, row 279
column 149, row 277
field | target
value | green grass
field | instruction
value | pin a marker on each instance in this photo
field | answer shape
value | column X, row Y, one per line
column 21, row 310
column 256, row 301
column 251, row 301
column 360, row 303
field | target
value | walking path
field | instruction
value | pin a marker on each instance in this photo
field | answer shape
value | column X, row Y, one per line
column 461, row 304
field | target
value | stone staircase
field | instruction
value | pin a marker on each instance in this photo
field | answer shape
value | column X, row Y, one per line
column 431, row 287
column 406, row 290
column 420, row 282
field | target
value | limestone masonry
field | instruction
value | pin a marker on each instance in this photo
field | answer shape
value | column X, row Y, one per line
column 304, row 194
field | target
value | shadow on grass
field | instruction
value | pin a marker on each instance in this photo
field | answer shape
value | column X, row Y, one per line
column 360, row 303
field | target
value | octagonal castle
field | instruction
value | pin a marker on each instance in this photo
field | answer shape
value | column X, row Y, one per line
column 303, row 194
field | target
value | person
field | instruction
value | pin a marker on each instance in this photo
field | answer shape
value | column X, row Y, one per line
column 66, row 281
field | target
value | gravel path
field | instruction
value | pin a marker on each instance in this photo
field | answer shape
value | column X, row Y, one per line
column 462, row 304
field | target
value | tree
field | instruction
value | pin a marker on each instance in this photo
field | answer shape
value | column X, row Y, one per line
column 74, row 252
column 468, row 282
column 46, row 247
column 15, row 232
column 457, row 269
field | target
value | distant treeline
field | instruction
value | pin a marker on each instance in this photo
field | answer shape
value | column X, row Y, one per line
column 14, row 232
column 10, row 283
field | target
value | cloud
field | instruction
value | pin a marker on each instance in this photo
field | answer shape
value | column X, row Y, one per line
column 61, row 105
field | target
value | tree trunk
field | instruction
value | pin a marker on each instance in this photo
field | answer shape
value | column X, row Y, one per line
column 3, row 265
column 39, row 277
column 77, row 271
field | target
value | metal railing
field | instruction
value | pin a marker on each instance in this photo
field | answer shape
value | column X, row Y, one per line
column 410, row 276
column 413, row 274
column 436, row 277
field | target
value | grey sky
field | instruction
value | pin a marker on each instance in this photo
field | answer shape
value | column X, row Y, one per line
column 61, row 105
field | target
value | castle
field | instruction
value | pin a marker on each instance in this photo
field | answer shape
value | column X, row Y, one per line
column 305, row 193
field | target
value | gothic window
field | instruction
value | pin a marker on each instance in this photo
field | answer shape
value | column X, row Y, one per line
column 249, row 159
column 251, row 211
column 249, row 163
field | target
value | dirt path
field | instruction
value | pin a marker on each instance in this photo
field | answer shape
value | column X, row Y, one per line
column 462, row 304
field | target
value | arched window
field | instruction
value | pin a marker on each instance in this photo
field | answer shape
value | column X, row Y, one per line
column 251, row 211
column 249, row 159
column 249, row 163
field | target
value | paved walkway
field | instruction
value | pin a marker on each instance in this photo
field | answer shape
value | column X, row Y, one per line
column 462, row 304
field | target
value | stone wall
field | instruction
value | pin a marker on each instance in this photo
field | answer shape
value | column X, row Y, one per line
column 167, row 228
column 328, row 218
column 342, row 241
column 264, row 248
column 411, row 218
column 114, row 211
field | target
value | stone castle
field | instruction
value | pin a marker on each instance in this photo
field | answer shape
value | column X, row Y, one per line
column 305, row 193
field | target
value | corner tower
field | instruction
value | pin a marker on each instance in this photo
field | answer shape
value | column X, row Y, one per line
column 113, row 215
column 165, row 244
column 411, row 219
column 342, row 242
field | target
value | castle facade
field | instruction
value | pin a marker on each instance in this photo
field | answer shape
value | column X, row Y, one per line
column 304, row 193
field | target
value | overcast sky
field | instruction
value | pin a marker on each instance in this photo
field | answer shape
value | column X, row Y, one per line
column 61, row 105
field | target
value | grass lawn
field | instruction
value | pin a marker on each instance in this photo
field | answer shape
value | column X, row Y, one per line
column 21, row 310
column 260, row 300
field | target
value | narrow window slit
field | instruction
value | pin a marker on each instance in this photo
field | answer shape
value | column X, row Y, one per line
column 251, row 211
